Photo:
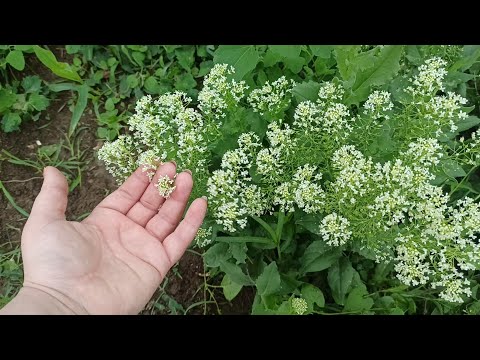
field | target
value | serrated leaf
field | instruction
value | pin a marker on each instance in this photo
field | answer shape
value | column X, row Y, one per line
column 269, row 281
column 16, row 59
column 7, row 99
column 61, row 69
column 318, row 256
column 230, row 288
column 31, row 84
column 38, row 102
column 243, row 58
column 11, row 122
column 340, row 277
column 186, row 57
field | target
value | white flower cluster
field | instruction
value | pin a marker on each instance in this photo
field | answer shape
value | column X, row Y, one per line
column 119, row 157
column 165, row 186
column 303, row 190
column 377, row 104
column 335, row 229
column 299, row 306
column 429, row 78
column 203, row 237
column 327, row 115
column 271, row 98
column 231, row 194
column 436, row 241
column 218, row 93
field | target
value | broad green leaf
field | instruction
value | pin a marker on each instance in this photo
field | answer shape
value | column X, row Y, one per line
column 312, row 295
column 340, row 277
column 38, row 102
column 151, row 85
column 62, row 87
column 73, row 49
column 139, row 57
column 471, row 56
column 185, row 82
column 385, row 66
column 61, row 69
column 319, row 256
column 269, row 281
column 452, row 168
column 349, row 62
column 311, row 222
column 205, row 67
column 16, row 60
column 287, row 51
column 186, row 57
column 24, row 48
column 306, row 91
column 467, row 123
column 294, row 64
column 243, row 58
column 109, row 104
column 239, row 252
column 322, row 51
column 132, row 81
column 216, row 254
column 7, row 99
column 357, row 301
column 79, row 107
column 230, row 288
column 235, row 273
column 31, row 84
column 11, row 122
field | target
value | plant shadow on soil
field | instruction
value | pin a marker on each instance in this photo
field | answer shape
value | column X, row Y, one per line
column 96, row 184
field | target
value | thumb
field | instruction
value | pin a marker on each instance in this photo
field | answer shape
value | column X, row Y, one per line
column 51, row 202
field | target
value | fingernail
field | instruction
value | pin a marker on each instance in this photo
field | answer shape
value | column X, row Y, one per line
column 188, row 171
column 174, row 162
column 204, row 198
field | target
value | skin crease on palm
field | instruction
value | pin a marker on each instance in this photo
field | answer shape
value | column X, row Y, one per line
column 113, row 261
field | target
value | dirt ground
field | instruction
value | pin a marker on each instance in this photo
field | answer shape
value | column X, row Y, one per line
column 24, row 183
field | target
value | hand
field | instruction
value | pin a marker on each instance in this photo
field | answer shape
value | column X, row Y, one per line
column 113, row 261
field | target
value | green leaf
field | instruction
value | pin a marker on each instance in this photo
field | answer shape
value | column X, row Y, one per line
column 357, row 302
column 287, row 51
column 216, row 254
column 61, row 69
column 38, row 102
column 239, row 252
column 132, row 81
column 7, row 99
column 186, row 57
column 318, row 256
column 31, row 84
column 11, row 122
column 349, row 62
column 185, row 82
column 109, row 104
column 322, row 51
column 312, row 296
column 230, row 288
column 469, row 122
column 79, row 107
column 205, row 67
column 12, row 201
column 151, row 85
column 311, row 222
column 340, row 277
column 235, row 273
column 16, row 60
column 385, row 66
column 243, row 58
column 306, row 91
column 452, row 168
column 139, row 57
column 24, row 48
column 269, row 281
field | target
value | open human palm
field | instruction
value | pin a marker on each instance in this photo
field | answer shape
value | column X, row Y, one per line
column 113, row 261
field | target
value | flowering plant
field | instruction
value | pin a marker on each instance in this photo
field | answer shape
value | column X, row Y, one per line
column 325, row 192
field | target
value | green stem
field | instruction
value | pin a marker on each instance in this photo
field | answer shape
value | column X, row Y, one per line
column 463, row 180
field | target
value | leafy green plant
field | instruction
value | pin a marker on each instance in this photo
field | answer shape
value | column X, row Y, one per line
column 348, row 187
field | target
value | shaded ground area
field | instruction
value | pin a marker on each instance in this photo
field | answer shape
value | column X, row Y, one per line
column 179, row 291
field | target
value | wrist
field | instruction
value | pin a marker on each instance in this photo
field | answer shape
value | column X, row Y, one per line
column 38, row 300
